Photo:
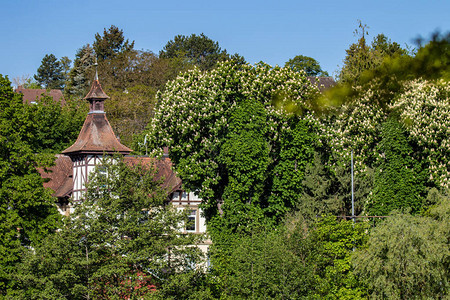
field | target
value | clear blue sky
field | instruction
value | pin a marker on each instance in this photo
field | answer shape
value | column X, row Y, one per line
column 269, row 31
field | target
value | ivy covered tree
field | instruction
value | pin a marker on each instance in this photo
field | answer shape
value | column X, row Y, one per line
column 121, row 241
column 399, row 180
column 244, row 157
column 331, row 243
column 50, row 73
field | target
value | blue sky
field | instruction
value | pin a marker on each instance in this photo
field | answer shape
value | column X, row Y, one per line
column 269, row 31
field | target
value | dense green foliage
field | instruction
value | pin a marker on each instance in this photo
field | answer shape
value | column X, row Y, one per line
column 198, row 50
column 399, row 180
column 80, row 76
column 55, row 127
column 50, row 73
column 122, row 241
column 232, row 145
column 293, row 262
column 27, row 211
column 327, row 189
column 408, row 257
column 307, row 64
column 111, row 44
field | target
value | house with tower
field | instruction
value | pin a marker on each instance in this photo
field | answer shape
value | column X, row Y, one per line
column 69, row 176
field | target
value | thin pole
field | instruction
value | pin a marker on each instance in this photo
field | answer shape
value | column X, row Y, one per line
column 353, row 196
column 353, row 202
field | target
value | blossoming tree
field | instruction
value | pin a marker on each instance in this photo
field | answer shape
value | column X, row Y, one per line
column 244, row 155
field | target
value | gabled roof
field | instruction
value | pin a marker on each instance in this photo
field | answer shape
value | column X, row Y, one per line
column 97, row 137
column 31, row 95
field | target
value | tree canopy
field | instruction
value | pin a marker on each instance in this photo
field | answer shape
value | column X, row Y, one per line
column 408, row 256
column 122, row 241
column 244, row 157
column 50, row 73
column 362, row 57
column 27, row 211
column 80, row 76
column 307, row 64
column 111, row 43
column 198, row 50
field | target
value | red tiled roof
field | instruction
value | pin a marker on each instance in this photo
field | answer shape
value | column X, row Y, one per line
column 31, row 95
column 59, row 176
column 97, row 136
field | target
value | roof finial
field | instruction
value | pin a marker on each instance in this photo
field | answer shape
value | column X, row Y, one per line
column 96, row 73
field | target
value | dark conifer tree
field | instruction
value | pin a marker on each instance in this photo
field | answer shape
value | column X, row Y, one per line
column 50, row 74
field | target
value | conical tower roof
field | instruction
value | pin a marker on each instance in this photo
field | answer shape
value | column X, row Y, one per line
column 96, row 135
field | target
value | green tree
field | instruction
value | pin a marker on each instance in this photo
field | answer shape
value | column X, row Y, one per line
column 27, row 211
column 111, row 43
column 266, row 265
column 65, row 63
column 407, row 257
column 56, row 127
column 230, row 143
column 300, row 260
column 362, row 57
column 331, row 243
column 50, row 73
column 129, row 111
column 122, row 241
column 399, row 180
column 327, row 191
column 195, row 285
column 198, row 50
column 229, row 138
column 307, row 64
column 81, row 74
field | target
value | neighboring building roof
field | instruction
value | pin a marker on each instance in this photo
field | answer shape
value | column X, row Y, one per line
column 59, row 177
column 323, row 83
column 31, row 95
column 97, row 137
column 163, row 168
